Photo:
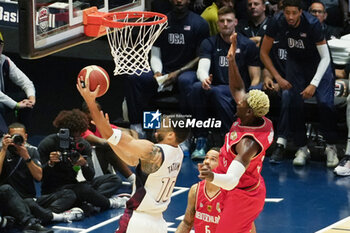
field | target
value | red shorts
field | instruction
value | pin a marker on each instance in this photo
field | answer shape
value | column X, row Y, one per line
column 241, row 208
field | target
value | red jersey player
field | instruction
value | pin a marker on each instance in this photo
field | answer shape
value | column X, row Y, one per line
column 204, row 203
column 242, row 155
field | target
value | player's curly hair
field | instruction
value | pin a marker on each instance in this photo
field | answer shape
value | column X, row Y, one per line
column 259, row 102
column 75, row 120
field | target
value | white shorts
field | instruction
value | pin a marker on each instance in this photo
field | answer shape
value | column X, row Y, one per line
column 147, row 223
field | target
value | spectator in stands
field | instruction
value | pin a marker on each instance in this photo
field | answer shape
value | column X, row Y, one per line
column 14, row 209
column 306, row 48
column 213, row 92
column 241, row 9
column 175, row 54
column 318, row 10
column 254, row 28
column 104, row 152
column 161, row 6
column 64, row 154
column 11, row 98
column 345, row 11
column 20, row 166
column 334, row 12
column 210, row 14
column 198, row 6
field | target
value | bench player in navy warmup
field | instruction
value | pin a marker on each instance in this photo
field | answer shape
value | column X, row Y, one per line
column 308, row 73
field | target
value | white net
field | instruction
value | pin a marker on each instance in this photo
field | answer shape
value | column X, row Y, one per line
column 130, row 45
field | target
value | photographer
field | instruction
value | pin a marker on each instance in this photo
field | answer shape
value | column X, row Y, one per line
column 61, row 164
column 15, row 210
column 22, row 162
column 19, row 165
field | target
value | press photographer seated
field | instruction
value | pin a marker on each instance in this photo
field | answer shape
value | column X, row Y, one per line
column 22, row 161
column 65, row 153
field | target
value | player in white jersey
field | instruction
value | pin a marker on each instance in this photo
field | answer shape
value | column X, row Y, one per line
column 158, row 166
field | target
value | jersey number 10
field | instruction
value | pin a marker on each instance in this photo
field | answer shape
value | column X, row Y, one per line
column 168, row 184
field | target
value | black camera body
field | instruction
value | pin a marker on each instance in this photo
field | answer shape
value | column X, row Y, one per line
column 17, row 139
column 69, row 154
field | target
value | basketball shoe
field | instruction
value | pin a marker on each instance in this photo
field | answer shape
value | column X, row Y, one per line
column 277, row 155
column 301, row 156
column 343, row 169
column 74, row 214
column 332, row 158
column 119, row 201
column 201, row 147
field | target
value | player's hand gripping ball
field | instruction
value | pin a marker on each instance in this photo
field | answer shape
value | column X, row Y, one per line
column 95, row 75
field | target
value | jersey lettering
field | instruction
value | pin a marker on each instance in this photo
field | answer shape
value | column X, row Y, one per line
column 207, row 217
column 176, row 38
column 296, row 43
column 282, row 54
column 174, row 167
column 223, row 61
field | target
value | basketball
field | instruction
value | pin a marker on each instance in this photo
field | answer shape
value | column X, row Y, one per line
column 96, row 76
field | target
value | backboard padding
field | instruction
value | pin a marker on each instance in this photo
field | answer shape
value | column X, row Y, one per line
column 47, row 26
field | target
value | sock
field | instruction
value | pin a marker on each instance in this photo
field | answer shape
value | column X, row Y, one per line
column 111, row 202
column 347, row 150
column 131, row 178
column 332, row 146
column 2, row 222
column 304, row 149
column 282, row 141
column 57, row 217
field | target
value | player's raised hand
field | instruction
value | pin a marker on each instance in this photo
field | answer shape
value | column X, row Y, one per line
column 205, row 172
column 84, row 90
column 106, row 116
column 231, row 55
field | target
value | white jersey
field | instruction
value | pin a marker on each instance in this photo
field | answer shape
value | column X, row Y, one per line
column 153, row 191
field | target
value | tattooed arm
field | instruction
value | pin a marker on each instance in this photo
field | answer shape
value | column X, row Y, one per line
column 152, row 161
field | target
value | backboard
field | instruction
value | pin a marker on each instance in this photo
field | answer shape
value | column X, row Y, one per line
column 47, row 26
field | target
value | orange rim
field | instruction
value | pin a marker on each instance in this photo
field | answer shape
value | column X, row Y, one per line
column 108, row 19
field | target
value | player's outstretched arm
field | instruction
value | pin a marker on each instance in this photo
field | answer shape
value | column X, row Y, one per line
column 187, row 223
column 245, row 149
column 130, row 150
column 236, row 83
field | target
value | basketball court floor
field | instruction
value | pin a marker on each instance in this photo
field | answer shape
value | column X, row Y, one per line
column 299, row 200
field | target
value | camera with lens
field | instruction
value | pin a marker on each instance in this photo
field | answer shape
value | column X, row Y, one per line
column 17, row 139
column 69, row 154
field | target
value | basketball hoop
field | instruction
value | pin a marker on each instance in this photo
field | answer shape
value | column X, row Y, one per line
column 130, row 36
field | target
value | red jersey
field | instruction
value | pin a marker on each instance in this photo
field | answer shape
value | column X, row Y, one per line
column 262, row 134
column 244, row 203
column 96, row 133
column 208, row 209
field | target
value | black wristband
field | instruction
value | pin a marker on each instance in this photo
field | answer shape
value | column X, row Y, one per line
column 28, row 160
